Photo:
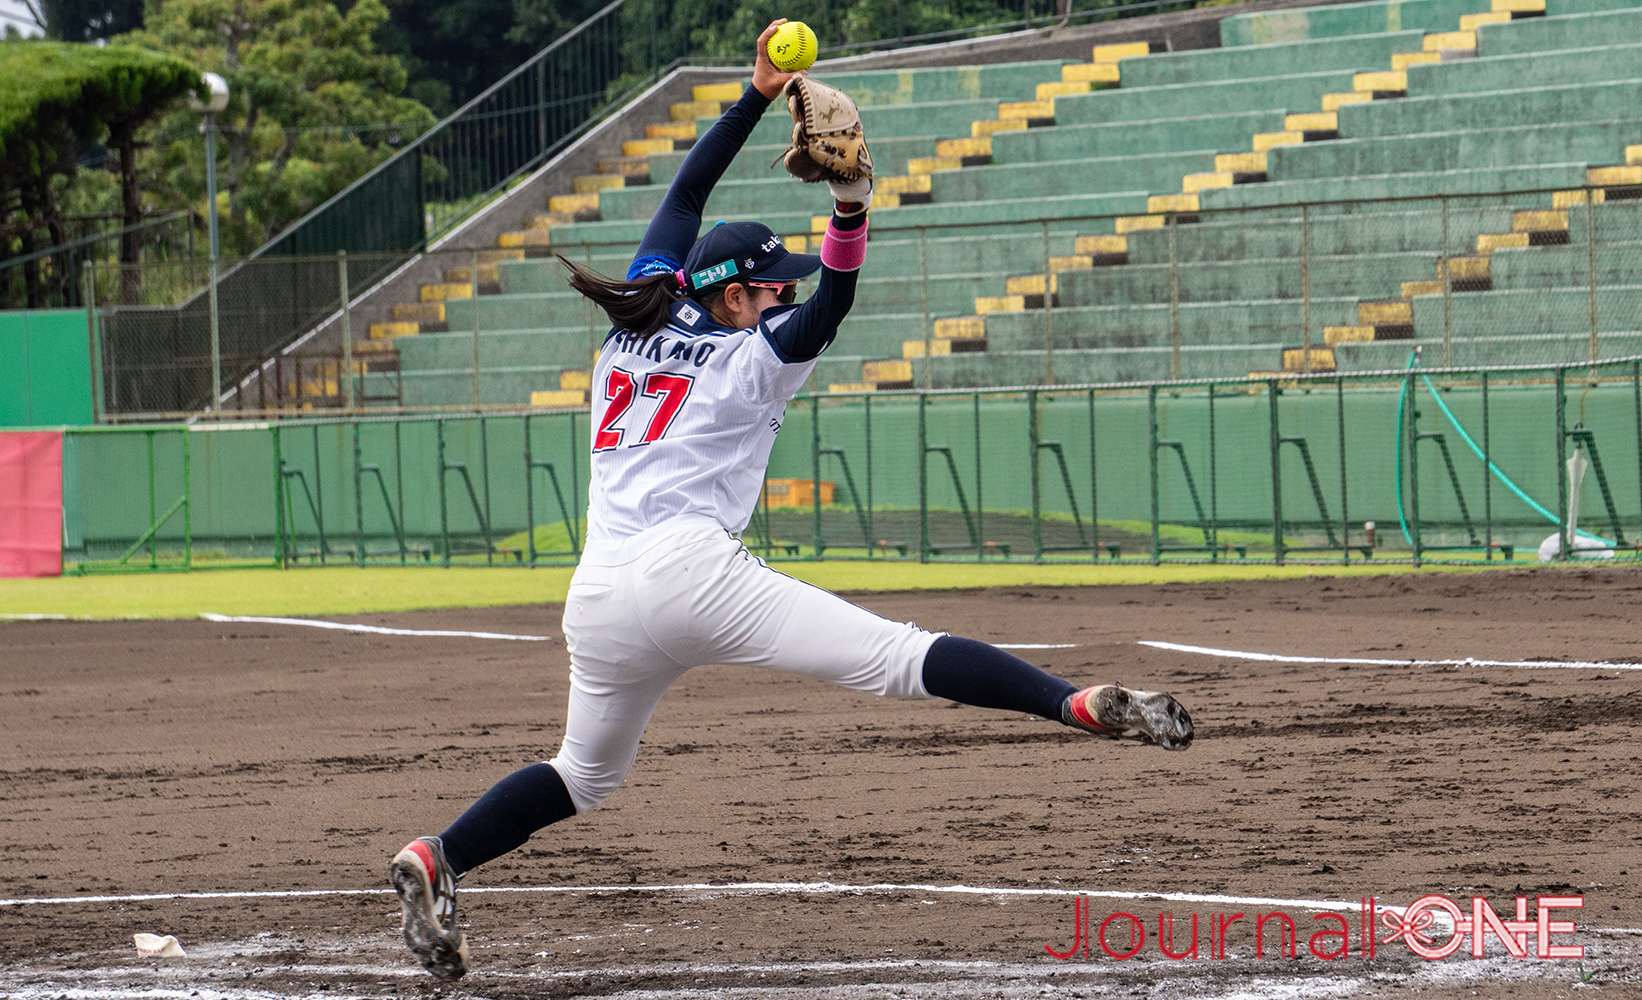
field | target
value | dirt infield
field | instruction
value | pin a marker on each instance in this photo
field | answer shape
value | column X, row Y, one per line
column 200, row 757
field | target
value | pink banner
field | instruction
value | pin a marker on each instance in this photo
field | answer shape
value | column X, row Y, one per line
column 31, row 503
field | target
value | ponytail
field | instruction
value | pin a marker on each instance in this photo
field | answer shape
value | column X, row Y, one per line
column 642, row 306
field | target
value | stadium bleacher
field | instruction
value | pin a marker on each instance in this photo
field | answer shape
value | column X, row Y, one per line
column 1212, row 173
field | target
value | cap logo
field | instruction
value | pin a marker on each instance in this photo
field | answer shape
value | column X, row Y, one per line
column 774, row 242
column 718, row 272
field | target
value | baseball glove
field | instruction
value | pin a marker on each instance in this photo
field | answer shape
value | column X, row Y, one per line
column 828, row 143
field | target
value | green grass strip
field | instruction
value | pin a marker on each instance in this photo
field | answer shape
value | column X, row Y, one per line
column 350, row 591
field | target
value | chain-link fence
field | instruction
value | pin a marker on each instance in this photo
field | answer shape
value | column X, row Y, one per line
column 944, row 301
column 1410, row 465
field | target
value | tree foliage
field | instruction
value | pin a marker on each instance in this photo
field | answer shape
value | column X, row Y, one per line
column 57, row 97
column 313, row 105
column 89, row 20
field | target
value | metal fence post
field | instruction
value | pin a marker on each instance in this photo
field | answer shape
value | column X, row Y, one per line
column 187, row 502
column 1562, row 466
column 1048, row 309
column 216, row 339
column 1214, row 486
column 1345, row 505
column 1305, row 282
column 279, row 500
column 815, row 471
column 473, row 275
column 923, row 479
column 484, row 474
column 444, row 513
column 1412, row 443
column 1590, row 262
column 1169, row 221
column 1446, row 262
column 1032, row 445
column 980, row 499
column 1276, row 474
column 93, row 345
column 1151, row 456
column 1094, row 500
column 319, row 497
column 1487, row 480
column 358, row 501
column 347, row 330
column 929, row 324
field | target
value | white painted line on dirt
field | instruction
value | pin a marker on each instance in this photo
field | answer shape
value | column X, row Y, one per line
column 373, row 629
column 1035, row 645
column 730, row 888
column 1238, row 654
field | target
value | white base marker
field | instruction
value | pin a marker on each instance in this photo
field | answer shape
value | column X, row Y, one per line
column 1238, row 654
column 373, row 629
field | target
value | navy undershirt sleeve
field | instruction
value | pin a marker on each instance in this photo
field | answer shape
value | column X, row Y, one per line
column 673, row 229
column 813, row 324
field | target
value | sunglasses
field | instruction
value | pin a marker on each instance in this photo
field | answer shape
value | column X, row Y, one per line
column 786, row 291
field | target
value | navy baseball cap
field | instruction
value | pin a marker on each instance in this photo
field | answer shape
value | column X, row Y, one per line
column 743, row 251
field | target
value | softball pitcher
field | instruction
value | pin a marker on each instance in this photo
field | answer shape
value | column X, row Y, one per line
column 690, row 388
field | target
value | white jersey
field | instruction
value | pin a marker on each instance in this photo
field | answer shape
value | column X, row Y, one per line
column 683, row 422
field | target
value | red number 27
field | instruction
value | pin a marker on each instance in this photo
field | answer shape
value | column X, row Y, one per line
column 619, row 390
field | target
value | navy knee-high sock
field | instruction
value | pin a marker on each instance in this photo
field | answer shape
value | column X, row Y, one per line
column 974, row 673
column 505, row 817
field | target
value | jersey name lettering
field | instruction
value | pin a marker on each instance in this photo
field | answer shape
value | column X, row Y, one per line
column 658, row 348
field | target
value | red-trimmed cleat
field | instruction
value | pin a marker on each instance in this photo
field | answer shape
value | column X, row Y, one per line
column 1118, row 711
column 427, row 893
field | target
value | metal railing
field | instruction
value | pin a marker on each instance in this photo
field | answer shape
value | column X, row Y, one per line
column 446, row 174
column 1493, row 466
column 1348, row 285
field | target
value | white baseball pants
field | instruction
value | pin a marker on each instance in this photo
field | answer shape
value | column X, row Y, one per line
column 687, row 594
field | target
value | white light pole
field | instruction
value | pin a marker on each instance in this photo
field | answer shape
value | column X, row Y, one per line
column 217, row 100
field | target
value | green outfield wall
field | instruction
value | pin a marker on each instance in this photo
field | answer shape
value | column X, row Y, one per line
column 1255, row 469
column 45, row 368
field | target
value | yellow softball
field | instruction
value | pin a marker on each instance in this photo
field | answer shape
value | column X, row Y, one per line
column 793, row 47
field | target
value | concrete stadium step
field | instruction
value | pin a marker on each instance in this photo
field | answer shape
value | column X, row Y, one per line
column 1295, row 92
column 1329, row 277
column 1616, row 60
column 562, row 347
column 1236, row 238
column 1169, row 135
column 1531, row 268
column 1369, row 51
column 1480, row 182
column 890, row 156
column 944, row 118
column 1267, row 322
column 1078, row 365
column 926, row 85
column 1050, row 180
column 765, row 196
column 1607, row 100
column 1519, row 312
column 1570, row 31
column 628, row 232
column 1467, row 350
column 454, row 387
column 1500, row 148
column 1346, row 19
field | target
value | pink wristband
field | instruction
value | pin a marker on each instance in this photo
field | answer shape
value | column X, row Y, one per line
column 844, row 251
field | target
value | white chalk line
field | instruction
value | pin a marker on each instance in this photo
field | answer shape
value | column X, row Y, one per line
column 373, row 629
column 1239, row 654
column 730, row 888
